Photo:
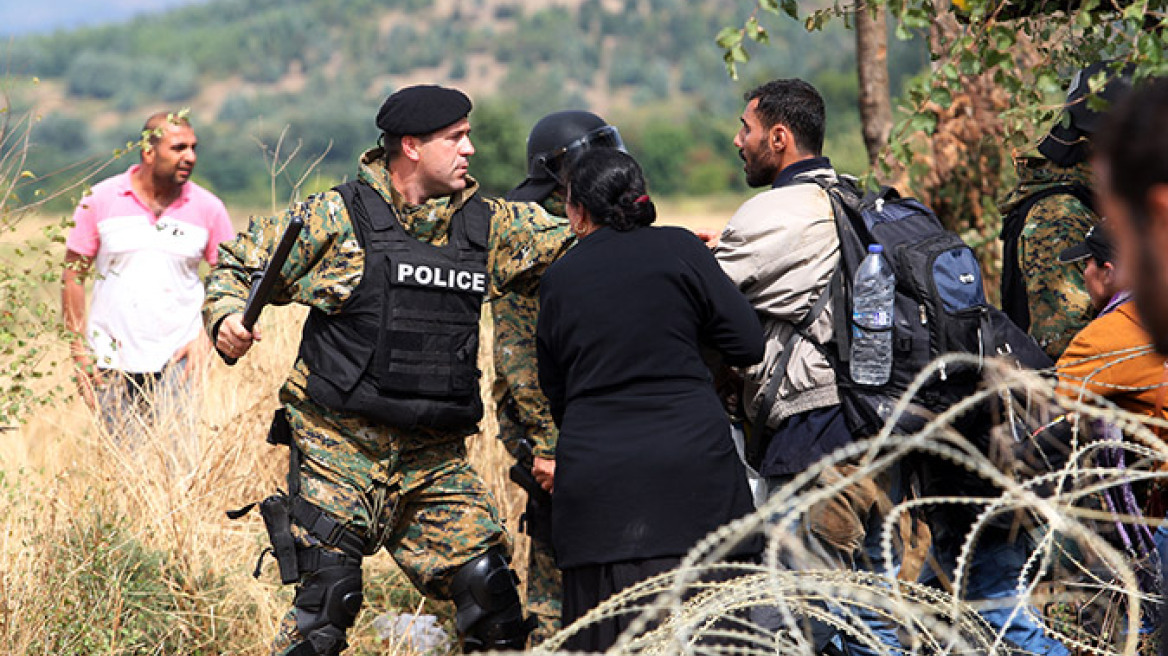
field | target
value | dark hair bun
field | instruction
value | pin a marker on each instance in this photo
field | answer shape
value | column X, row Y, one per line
column 611, row 186
column 633, row 211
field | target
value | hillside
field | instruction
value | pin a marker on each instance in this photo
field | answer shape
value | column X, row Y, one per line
column 17, row 18
column 320, row 68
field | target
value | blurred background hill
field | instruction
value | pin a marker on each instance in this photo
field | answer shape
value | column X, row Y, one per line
column 17, row 18
column 250, row 70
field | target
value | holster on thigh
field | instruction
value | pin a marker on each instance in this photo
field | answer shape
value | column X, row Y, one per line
column 281, row 510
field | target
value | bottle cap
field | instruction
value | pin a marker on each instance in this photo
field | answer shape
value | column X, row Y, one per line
column 875, row 248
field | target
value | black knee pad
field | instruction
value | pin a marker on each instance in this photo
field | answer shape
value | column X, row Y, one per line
column 488, row 613
column 327, row 600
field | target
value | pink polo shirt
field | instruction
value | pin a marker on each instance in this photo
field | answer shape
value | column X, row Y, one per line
column 147, row 294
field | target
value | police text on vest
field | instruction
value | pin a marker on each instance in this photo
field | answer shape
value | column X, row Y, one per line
column 422, row 275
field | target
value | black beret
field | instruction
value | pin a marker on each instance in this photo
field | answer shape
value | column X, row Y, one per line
column 422, row 109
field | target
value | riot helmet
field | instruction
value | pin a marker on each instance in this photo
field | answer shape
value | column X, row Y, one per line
column 1067, row 143
column 555, row 142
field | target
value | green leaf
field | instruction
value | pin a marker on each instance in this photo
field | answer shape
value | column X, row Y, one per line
column 968, row 63
column 792, row 8
column 1151, row 46
column 923, row 122
column 728, row 37
column 1083, row 18
column 731, row 68
column 754, row 31
column 1008, row 81
column 916, row 18
column 1048, row 83
column 1135, row 11
column 762, row 36
column 942, row 96
column 996, row 58
column 1004, row 37
column 900, row 150
column 1097, row 104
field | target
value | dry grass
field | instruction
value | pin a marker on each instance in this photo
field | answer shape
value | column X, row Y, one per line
column 107, row 550
column 110, row 550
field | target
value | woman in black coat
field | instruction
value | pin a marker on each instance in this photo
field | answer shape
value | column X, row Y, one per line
column 645, row 465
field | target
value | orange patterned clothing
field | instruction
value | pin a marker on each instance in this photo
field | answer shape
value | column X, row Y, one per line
column 1113, row 357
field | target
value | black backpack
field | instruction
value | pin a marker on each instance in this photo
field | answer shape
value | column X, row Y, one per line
column 1014, row 298
column 940, row 307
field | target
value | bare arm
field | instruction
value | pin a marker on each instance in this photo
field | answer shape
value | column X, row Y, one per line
column 77, row 269
column 197, row 353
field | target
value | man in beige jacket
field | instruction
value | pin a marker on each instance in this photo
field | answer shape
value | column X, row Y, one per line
column 781, row 249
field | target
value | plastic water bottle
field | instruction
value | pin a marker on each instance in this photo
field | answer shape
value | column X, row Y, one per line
column 873, row 293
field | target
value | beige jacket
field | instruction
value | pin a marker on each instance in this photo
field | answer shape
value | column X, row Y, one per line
column 781, row 249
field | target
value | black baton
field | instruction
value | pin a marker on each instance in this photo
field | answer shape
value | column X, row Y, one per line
column 262, row 283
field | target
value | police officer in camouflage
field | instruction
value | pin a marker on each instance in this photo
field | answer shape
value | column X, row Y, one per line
column 385, row 388
column 556, row 141
column 1050, row 210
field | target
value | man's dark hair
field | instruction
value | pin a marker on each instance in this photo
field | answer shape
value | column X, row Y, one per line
column 391, row 144
column 1134, row 142
column 797, row 105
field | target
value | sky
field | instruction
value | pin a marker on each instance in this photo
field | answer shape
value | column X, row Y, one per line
column 19, row 17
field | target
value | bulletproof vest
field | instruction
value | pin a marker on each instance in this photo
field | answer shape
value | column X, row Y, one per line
column 403, row 349
column 1015, row 300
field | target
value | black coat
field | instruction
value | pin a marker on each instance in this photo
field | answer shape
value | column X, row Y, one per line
column 645, row 466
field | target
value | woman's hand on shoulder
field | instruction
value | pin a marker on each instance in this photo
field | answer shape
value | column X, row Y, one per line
column 709, row 237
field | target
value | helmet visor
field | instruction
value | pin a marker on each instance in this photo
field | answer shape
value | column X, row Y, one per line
column 558, row 161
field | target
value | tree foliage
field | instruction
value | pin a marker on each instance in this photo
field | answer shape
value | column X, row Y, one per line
column 1028, row 50
column 30, row 259
column 996, row 82
column 322, row 68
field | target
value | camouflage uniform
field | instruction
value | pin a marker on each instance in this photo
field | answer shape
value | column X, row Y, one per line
column 523, row 413
column 412, row 492
column 1057, row 297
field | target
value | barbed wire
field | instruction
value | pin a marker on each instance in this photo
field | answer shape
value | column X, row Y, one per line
column 709, row 606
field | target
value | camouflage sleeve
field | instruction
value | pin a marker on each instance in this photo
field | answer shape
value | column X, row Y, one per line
column 522, row 408
column 1059, row 304
column 321, row 271
column 524, row 241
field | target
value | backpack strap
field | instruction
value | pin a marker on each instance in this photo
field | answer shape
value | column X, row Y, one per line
column 851, row 232
column 778, row 372
column 1014, row 298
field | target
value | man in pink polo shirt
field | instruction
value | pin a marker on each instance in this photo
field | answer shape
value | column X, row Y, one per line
column 144, row 232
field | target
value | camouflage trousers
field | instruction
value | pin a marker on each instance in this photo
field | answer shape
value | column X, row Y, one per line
column 545, row 589
column 421, row 502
